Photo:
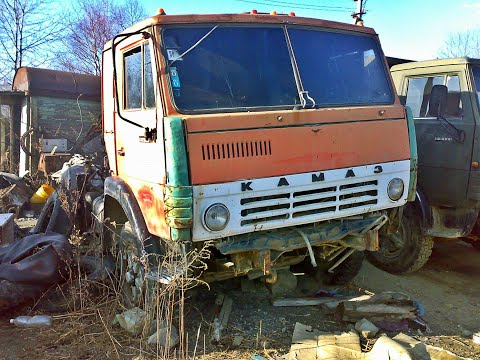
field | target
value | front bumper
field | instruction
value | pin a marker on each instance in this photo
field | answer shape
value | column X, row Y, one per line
column 289, row 239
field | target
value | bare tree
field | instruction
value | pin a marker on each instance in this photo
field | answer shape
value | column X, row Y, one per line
column 95, row 23
column 28, row 29
column 461, row 44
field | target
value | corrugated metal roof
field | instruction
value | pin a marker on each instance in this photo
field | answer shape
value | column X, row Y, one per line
column 46, row 82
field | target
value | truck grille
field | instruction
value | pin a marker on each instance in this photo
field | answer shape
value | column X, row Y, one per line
column 314, row 201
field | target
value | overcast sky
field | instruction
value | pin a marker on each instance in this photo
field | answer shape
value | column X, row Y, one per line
column 413, row 29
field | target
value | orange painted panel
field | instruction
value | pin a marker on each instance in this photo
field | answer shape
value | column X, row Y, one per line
column 263, row 119
column 150, row 198
column 217, row 157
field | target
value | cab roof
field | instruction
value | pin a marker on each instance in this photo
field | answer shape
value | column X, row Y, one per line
column 436, row 62
column 242, row 19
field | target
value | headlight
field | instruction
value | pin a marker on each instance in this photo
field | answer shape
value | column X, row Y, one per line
column 216, row 217
column 395, row 189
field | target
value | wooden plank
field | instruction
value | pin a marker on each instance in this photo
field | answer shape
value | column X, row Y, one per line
column 312, row 301
column 307, row 301
column 220, row 322
column 351, row 311
column 331, row 307
column 219, row 299
column 225, row 312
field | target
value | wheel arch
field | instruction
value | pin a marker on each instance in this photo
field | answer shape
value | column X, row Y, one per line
column 423, row 208
column 121, row 206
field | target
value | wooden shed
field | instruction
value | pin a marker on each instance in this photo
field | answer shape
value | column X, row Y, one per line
column 49, row 111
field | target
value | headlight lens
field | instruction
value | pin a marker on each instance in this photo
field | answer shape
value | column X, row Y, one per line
column 216, row 217
column 395, row 189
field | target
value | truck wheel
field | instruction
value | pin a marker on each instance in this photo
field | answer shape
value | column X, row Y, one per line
column 131, row 268
column 405, row 251
column 341, row 275
column 346, row 271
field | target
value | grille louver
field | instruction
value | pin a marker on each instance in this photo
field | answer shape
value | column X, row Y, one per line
column 236, row 150
column 321, row 200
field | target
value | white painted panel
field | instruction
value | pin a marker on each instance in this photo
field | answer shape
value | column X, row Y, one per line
column 231, row 195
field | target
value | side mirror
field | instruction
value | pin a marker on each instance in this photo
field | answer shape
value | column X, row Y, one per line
column 438, row 100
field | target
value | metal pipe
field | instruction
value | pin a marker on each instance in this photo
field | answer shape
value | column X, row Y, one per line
column 309, row 247
column 338, row 252
column 342, row 259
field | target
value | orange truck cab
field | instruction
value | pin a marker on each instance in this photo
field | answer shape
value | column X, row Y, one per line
column 276, row 139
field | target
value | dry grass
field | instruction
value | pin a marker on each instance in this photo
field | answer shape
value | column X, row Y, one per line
column 91, row 306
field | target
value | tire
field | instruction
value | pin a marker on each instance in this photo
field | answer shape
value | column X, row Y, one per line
column 53, row 218
column 341, row 275
column 346, row 271
column 406, row 251
column 130, row 269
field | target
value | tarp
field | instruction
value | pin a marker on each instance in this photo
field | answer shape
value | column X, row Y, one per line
column 31, row 266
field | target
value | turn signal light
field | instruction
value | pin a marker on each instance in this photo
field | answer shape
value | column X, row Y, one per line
column 273, row 12
column 291, row 14
column 161, row 12
column 253, row 11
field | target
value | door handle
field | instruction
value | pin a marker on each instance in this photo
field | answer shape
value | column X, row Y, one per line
column 121, row 152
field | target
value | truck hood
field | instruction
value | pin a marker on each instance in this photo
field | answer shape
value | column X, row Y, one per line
column 229, row 147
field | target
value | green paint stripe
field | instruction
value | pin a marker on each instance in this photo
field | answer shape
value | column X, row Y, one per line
column 412, row 188
column 176, row 151
column 178, row 192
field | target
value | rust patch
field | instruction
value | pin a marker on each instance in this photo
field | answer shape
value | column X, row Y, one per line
column 150, row 199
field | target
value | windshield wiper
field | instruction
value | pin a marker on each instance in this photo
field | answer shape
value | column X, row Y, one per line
column 302, row 93
column 193, row 46
column 303, row 99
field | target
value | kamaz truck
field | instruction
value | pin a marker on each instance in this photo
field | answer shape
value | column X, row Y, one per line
column 443, row 96
column 275, row 139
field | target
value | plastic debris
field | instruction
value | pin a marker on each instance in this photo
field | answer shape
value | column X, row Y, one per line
column 132, row 320
column 166, row 337
column 42, row 194
column 476, row 338
column 258, row 357
column 366, row 328
column 32, row 321
column 327, row 293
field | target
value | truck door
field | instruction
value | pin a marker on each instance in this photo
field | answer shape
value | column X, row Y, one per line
column 137, row 157
column 444, row 162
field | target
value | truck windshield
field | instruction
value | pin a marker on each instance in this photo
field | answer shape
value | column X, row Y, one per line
column 340, row 69
column 230, row 68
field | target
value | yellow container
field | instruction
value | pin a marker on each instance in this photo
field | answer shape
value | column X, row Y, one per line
column 42, row 194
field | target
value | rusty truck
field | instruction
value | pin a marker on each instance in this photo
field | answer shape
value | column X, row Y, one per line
column 275, row 139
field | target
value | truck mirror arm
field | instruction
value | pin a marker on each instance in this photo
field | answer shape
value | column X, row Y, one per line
column 150, row 134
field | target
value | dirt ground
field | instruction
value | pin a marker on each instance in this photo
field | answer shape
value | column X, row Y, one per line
column 448, row 288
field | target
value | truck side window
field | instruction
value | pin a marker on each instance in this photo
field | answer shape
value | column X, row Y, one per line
column 139, row 86
column 133, row 79
column 149, row 92
column 418, row 95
